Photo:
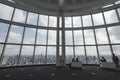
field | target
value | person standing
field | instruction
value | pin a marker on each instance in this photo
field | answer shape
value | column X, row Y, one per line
column 115, row 60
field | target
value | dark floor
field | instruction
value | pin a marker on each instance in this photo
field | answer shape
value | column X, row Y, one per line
column 52, row 73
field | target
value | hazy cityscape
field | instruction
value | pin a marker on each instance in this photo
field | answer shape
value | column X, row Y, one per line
column 51, row 59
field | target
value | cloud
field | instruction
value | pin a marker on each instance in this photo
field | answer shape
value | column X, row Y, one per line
column 111, row 16
column 68, row 38
column 68, row 22
column 19, row 15
column 87, row 20
column 32, row 18
column 78, row 37
column 52, row 21
column 77, row 21
column 43, row 20
column 41, row 36
column 11, row 50
column 98, row 19
column 52, row 37
column 114, row 34
column 14, row 37
column 101, row 36
column 89, row 36
column 5, row 11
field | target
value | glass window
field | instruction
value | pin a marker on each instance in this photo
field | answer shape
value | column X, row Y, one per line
column 11, row 54
column 105, row 52
column 60, row 22
column 1, row 48
column 78, row 38
column 52, row 21
column 29, row 37
column 19, row 16
column 114, row 34
column 118, row 11
column 68, row 38
column 3, row 31
column 43, row 20
column 69, row 54
column 60, row 50
column 40, row 53
column 92, row 57
column 15, row 35
column 98, row 19
column 26, row 57
column 41, row 36
column 111, row 17
column 60, row 37
column 52, row 37
column 89, row 37
column 101, row 36
column 80, row 53
column 87, row 20
column 77, row 21
column 32, row 18
column 5, row 12
column 51, row 55
column 116, row 50
column 68, row 22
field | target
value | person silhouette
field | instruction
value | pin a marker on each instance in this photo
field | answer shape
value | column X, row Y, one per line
column 103, row 59
column 77, row 60
column 115, row 60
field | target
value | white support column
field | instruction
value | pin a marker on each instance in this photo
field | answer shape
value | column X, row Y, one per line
column 60, row 61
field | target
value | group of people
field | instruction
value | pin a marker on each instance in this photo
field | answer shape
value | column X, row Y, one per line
column 114, row 58
column 73, row 60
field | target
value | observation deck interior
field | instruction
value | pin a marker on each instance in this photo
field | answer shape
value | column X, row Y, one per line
column 39, row 38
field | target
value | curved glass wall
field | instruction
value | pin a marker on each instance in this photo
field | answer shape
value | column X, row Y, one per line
column 28, row 38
